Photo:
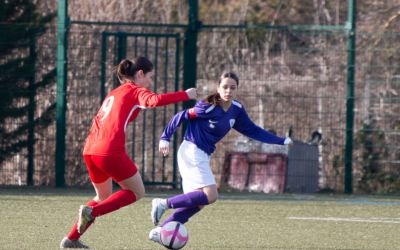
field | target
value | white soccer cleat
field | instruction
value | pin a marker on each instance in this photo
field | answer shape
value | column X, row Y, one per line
column 67, row 243
column 158, row 208
column 85, row 217
column 155, row 235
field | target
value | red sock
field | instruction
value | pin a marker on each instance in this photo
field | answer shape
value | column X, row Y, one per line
column 117, row 200
column 73, row 234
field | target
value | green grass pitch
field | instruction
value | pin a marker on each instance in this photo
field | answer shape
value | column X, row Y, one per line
column 38, row 218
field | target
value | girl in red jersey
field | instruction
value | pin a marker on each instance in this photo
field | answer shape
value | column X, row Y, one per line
column 104, row 151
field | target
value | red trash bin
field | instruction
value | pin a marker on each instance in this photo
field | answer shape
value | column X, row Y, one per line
column 258, row 172
column 238, row 174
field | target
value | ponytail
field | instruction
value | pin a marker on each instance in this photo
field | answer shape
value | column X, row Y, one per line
column 127, row 69
column 213, row 99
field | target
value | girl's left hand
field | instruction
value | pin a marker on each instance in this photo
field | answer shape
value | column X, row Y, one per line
column 288, row 142
column 163, row 147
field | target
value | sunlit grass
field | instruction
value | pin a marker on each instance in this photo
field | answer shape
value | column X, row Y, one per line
column 39, row 219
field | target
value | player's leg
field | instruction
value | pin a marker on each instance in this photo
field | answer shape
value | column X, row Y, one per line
column 132, row 190
column 198, row 185
column 211, row 192
column 125, row 173
column 194, row 167
column 67, row 243
column 72, row 239
column 183, row 213
column 187, row 200
column 202, row 196
column 103, row 190
column 102, row 184
column 74, row 234
column 198, row 182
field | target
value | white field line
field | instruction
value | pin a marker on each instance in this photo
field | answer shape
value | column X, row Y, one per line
column 336, row 219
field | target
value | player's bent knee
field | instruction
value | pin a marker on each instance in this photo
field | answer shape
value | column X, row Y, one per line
column 211, row 193
column 212, row 199
column 139, row 193
column 134, row 184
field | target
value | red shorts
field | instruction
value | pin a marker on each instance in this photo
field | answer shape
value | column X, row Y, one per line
column 101, row 168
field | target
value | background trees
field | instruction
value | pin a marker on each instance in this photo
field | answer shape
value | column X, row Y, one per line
column 299, row 77
column 20, row 27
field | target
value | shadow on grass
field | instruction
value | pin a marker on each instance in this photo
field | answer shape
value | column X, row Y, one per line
column 164, row 193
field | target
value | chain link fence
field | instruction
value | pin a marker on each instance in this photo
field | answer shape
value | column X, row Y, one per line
column 292, row 82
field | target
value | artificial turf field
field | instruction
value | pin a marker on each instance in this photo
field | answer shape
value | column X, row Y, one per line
column 38, row 218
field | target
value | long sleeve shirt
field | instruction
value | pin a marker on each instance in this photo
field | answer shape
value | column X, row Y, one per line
column 120, row 107
column 208, row 124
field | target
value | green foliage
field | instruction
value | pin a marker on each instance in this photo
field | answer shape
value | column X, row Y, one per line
column 373, row 151
column 20, row 26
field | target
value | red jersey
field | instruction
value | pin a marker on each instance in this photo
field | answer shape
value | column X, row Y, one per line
column 120, row 107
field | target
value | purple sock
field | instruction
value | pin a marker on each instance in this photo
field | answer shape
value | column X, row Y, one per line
column 182, row 215
column 192, row 199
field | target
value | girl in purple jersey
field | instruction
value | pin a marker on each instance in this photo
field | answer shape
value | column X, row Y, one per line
column 207, row 123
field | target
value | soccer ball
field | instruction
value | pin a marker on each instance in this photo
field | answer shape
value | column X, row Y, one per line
column 174, row 235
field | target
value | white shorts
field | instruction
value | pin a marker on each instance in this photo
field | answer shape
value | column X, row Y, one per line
column 194, row 167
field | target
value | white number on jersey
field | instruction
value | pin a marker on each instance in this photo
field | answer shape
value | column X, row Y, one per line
column 106, row 107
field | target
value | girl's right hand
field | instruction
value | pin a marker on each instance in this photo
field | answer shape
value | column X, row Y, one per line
column 163, row 147
column 192, row 93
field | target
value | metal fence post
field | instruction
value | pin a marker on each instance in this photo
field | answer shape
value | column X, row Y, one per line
column 351, row 60
column 189, row 61
column 103, row 66
column 190, row 49
column 31, row 116
column 61, row 90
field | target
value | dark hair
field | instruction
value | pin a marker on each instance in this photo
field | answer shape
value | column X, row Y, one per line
column 127, row 69
column 215, row 98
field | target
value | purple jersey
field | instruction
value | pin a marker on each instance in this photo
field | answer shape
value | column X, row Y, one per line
column 208, row 124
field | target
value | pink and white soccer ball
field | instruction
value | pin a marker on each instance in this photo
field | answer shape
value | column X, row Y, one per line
column 174, row 235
